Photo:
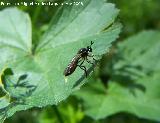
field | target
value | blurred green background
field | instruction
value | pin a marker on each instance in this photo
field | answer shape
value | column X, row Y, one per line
column 135, row 15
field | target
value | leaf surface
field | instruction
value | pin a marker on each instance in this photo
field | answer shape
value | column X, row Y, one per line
column 37, row 78
column 134, row 81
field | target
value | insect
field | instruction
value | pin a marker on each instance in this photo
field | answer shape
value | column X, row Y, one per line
column 78, row 60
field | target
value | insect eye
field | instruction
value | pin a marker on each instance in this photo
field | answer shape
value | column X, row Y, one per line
column 90, row 49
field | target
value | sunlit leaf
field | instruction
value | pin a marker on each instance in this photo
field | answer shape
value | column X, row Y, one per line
column 72, row 28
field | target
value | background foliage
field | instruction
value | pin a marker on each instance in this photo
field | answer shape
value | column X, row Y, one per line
column 124, row 86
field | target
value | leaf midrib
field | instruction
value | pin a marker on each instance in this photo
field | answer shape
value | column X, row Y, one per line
column 49, row 40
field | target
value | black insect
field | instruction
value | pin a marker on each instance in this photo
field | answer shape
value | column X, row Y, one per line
column 78, row 60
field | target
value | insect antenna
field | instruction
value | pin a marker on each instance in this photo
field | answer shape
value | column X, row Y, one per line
column 91, row 43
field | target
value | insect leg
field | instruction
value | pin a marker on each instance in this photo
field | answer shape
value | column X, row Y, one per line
column 92, row 57
column 81, row 62
column 83, row 68
column 89, row 61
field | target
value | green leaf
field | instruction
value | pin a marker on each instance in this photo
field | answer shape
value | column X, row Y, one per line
column 72, row 28
column 134, row 81
column 117, row 98
column 141, row 51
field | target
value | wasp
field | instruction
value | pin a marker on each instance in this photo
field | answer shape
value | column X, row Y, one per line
column 78, row 60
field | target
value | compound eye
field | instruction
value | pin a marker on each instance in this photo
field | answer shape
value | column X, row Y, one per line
column 90, row 49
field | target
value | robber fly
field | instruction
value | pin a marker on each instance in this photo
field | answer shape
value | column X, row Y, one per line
column 78, row 60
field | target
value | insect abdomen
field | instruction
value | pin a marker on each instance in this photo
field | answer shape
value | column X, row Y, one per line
column 71, row 67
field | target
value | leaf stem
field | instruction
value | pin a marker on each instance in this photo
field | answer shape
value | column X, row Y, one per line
column 59, row 117
column 36, row 14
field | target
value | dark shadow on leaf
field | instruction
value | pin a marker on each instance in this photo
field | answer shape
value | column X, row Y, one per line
column 3, row 111
column 22, row 78
column 28, row 93
column 8, row 71
column 125, row 76
column 22, row 82
column 128, row 82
